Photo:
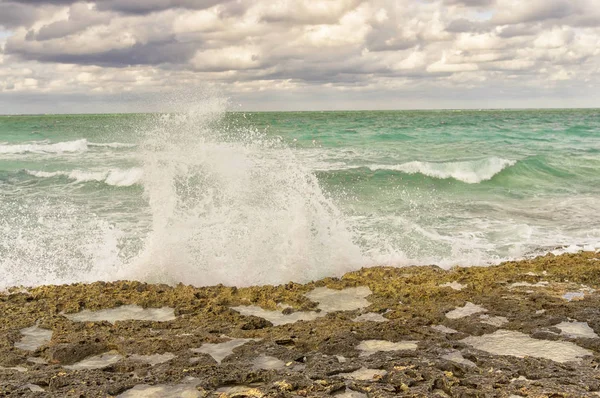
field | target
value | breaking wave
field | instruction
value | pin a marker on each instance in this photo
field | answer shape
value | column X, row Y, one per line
column 115, row 177
column 112, row 145
column 470, row 172
column 44, row 147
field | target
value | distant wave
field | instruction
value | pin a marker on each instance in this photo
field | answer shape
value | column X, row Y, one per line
column 44, row 147
column 81, row 145
column 470, row 172
column 114, row 177
column 112, row 144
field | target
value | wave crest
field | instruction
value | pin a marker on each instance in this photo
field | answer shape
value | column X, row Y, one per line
column 470, row 172
column 44, row 147
column 114, row 177
column 112, row 144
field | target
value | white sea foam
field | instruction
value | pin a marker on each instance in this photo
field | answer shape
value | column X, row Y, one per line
column 44, row 147
column 115, row 177
column 470, row 172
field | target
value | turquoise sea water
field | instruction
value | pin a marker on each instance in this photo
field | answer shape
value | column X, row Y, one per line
column 207, row 196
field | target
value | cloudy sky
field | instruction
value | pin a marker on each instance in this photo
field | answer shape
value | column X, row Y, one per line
column 121, row 55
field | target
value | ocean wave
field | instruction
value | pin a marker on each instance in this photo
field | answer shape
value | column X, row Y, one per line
column 44, row 147
column 114, row 177
column 112, row 144
column 470, row 172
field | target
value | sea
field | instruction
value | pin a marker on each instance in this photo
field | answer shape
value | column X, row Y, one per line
column 206, row 195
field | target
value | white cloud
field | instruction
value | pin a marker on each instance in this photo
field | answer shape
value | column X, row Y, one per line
column 443, row 66
column 557, row 37
column 227, row 59
column 302, row 48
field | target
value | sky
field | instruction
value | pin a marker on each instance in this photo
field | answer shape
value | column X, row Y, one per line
column 64, row 56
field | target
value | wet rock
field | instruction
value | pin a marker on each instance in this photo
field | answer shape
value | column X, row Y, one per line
column 70, row 353
column 311, row 354
column 255, row 322
column 339, row 344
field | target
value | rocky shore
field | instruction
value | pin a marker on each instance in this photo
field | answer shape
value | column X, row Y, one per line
column 520, row 329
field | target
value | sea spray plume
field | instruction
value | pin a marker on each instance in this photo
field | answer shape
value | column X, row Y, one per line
column 45, row 241
column 231, row 205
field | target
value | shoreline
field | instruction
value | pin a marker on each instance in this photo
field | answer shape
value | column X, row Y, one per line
column 379, row 332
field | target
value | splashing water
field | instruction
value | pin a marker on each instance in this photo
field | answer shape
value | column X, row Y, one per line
column 203, row 196
column 228, row 205
column 46, row 242
column 232, row 206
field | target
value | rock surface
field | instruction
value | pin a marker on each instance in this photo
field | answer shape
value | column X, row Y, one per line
column 319, row 357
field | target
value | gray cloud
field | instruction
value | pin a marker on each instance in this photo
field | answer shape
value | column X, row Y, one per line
column 42, row 2
column 150, row 6
column 80, row 18
column 13, row 15
column 138, row 54
column 463, row 25
column 471, row 3
column 129, row 6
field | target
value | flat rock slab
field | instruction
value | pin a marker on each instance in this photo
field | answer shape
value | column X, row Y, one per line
column 124, row 313
column 507, row 342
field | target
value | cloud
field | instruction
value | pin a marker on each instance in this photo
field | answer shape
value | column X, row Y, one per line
column 80, row 17
column 150, row 6
column 363, row 47
column 471, row 3
column 443, row 66
column 13, row 15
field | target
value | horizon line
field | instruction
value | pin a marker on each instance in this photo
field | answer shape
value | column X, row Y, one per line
column 314, row 110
